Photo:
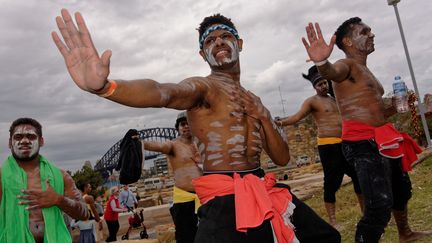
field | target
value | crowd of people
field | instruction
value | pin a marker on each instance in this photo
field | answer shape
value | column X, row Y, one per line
column 221, row 193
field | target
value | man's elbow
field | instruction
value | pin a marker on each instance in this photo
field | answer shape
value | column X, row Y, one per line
column 283, row 160
column 84, row 214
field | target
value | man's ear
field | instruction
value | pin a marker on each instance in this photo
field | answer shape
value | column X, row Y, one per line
column 240, row 44
column 202, row 54
column 347, row 41
column 41, row 142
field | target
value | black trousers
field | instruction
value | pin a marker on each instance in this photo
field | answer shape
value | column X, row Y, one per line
column 335, row 167
column 185, row 221
column 383, row 184
column 217, row 224
column 113, row 227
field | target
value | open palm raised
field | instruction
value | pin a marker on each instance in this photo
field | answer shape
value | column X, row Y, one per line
column 317, row 48
column 87, row 69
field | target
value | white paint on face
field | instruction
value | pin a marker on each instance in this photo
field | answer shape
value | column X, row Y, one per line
column 214, row 156
column 214, row 163
column 226, row 60
column 236, row 128
column 360, row 41
column 236, row 139
column 216, row 124
column 23, row 139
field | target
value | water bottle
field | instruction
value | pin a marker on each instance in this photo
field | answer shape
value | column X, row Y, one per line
column 400, row 92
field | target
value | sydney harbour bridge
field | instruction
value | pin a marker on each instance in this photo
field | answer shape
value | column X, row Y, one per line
column 110, row 159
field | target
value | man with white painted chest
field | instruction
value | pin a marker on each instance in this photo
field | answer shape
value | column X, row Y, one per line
column 231, row 125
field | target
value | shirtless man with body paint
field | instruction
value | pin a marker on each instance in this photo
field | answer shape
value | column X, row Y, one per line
column 325, row 112
column 184, row 158
column 230, row 123
column 30, row 198
column 384, row 182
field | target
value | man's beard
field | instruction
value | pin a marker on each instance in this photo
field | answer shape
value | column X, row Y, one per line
column 25, row 159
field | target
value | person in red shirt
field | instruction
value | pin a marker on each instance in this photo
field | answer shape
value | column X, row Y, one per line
column 111, row 213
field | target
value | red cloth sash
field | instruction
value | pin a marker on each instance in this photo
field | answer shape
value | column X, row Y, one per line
column 391, row 143
column 255, row 201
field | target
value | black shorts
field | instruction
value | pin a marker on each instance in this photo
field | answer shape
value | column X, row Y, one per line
column 335, row 166
column 185, row 221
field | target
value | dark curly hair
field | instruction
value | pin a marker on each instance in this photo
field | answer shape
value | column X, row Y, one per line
column 214, row 19
column 26, row 121
column 345, row 29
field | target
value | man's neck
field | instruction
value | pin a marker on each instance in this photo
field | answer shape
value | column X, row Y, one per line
column 29, row 165
column 232, row 73
column 358, row 56
column 186, row 138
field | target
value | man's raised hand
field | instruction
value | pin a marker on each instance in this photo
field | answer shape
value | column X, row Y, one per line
column 87, row 69
column 317, row 48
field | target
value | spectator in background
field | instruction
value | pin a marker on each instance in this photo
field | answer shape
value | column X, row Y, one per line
column 87, row 227
column 111, row 213
column 99, row 205
column 127, row 198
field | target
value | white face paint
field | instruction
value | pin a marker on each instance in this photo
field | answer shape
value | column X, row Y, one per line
column 362, row 38
column 226, row 60
column 25, row 142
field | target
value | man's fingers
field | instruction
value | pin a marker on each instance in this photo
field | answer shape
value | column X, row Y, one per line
column 60, row 45
column 318, row 30
column 64, row 32
column 311, row 32
column 305, row 43
column 105, row 58
column 71, row 28
column 84, row 32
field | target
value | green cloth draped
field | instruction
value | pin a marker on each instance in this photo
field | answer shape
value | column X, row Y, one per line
column 14, row 218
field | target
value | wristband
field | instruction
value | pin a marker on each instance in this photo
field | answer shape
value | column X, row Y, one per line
column 112, row 88
column 320, row 63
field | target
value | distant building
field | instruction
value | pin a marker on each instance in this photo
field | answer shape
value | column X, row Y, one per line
column 161, row 165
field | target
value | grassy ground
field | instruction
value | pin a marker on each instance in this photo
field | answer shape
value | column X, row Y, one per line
column 419, row 207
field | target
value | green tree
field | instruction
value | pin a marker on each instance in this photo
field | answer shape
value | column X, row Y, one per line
column 88, row 175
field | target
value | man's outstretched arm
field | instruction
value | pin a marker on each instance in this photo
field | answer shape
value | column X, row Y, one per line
column 90, row 72
column 305, row 110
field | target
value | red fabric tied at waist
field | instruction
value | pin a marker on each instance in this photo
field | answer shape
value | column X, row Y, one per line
column 391, row 143
column 255, row 201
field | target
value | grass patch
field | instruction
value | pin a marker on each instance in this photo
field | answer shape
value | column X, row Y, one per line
column 419, row 207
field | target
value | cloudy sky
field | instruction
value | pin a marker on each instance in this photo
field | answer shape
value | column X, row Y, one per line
column 158, row 39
